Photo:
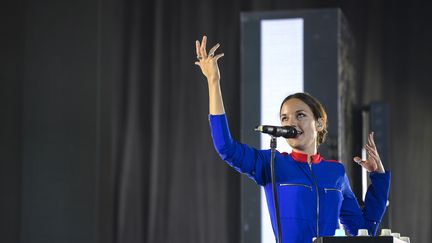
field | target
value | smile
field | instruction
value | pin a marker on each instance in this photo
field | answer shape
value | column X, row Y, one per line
column 298, row 134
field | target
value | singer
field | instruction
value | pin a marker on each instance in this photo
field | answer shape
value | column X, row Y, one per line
column 314, row 193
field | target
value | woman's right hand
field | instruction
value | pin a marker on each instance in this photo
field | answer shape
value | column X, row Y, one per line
column 210, row 69
column 208, row 62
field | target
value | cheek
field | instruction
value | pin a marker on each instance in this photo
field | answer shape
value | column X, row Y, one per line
column 311, row 129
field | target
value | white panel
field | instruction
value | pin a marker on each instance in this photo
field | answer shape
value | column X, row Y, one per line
column 281, row 75
column 364, row 176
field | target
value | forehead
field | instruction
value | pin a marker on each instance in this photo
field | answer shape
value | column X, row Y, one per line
column 294, row 105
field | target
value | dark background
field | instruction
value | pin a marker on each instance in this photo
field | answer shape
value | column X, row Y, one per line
column 104, row 134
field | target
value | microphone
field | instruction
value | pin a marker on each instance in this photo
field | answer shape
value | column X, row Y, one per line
column 286, row 131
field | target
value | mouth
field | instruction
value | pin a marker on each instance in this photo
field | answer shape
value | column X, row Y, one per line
column 299, row 133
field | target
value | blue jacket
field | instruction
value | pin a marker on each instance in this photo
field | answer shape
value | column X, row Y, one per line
column 312, row 197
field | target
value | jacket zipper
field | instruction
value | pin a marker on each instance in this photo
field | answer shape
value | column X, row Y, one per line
column 294, row 184
column 317, row 193
column 332, row 189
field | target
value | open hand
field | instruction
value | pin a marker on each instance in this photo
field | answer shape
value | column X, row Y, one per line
column 373, row 162
column 208, row 62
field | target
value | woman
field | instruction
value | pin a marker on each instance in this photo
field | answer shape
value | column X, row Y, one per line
column 313, row 193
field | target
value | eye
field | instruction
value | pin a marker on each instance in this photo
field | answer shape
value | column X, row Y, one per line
column 283, row 118
column 300, row 115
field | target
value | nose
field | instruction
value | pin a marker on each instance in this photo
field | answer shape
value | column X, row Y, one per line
column 290, row 122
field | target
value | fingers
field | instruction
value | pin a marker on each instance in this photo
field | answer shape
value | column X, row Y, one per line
column 372, row 149
column 371, row 155
column 358, row 160
column 197, row 47
column 213, row 49
column 371, row 139
column 218, row 56
column 373, row 161
column 203, row 50
column 366, row 164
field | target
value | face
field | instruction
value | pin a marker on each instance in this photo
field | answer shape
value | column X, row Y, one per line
column 298, row 114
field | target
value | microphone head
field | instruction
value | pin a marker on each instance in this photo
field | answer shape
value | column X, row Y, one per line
column 290, row 132
column 275, row 131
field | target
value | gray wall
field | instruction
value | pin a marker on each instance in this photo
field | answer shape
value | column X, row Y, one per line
column 59, row 62
column 55, row 151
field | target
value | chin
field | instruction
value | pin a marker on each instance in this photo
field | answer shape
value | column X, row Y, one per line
column 296, row 147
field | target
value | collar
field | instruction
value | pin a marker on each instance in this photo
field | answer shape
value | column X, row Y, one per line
column 300, row 157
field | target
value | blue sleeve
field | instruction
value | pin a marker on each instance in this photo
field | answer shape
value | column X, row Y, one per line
column 352, row 217
column 243, row 158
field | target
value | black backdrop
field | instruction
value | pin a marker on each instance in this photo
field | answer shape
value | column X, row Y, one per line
column 104, row 134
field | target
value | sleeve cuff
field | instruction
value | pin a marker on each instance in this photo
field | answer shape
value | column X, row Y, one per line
column 386, row 174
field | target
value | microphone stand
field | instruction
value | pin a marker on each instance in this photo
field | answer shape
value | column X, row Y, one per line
column 273, row 145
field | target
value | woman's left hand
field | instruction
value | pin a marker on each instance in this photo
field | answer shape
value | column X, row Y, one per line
column 373, row 161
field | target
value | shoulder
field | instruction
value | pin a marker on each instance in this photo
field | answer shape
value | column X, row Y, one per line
column 284, row 155
column 334, row 164
column 330, row 161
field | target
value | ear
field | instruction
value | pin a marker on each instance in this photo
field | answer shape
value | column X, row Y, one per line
column 320, row 124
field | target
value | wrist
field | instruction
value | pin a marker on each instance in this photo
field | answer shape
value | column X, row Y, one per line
column 380, row 169
column 213, row 83
column 213, row 80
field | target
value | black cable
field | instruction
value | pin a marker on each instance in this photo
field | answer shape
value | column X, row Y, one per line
column 273, row 180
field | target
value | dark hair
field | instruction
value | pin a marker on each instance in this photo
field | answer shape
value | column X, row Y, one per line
column 317, row 110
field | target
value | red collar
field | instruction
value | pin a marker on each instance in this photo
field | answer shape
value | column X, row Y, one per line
column 300, row 157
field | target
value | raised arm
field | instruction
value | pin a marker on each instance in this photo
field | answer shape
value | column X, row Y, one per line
column 209, row 67
column 241, row 157
column 369, row 217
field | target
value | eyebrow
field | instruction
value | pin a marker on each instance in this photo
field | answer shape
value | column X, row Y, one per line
column 297, row 111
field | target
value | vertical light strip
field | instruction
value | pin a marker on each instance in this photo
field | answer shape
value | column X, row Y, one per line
column 364, row 176
column 365, row 133
column 281, row 75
